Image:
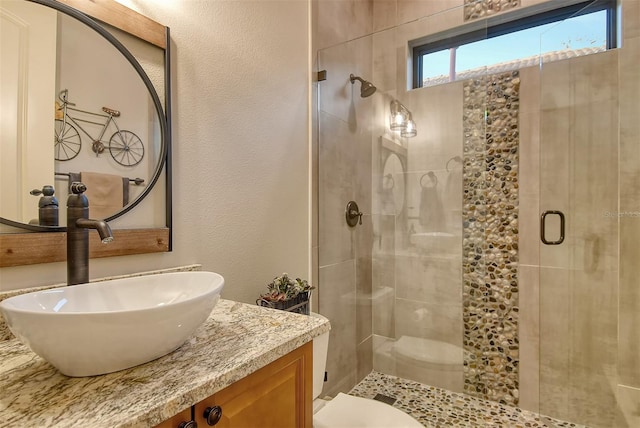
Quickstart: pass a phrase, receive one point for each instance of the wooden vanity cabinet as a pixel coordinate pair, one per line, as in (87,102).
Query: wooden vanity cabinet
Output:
(278,395)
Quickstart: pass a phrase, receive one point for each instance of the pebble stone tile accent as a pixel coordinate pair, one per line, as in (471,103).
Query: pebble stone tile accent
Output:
(438,408)
(490,237)
(474,9)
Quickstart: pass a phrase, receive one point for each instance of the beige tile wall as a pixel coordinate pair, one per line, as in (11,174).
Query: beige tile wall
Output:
(339,21)
(529,333)
(529,232)
(384,14)
(529,239)
(364,286)
(383,276)
(344,174)
(409,10)
(555,328)
(428,277)
(629,345)
(628,407)
(337,303)
(579,279)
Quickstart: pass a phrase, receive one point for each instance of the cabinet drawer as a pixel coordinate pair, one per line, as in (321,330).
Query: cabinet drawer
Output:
(278,395)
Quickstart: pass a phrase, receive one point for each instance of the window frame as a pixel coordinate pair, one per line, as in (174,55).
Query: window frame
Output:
(498,26)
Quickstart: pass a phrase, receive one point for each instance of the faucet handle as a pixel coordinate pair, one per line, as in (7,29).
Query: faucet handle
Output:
(46,191)
(77,188)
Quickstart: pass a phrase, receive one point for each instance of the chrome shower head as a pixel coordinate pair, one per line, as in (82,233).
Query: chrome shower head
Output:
(366,88)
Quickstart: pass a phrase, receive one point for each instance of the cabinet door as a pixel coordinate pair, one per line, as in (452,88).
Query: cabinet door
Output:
(277,396)
(175,421)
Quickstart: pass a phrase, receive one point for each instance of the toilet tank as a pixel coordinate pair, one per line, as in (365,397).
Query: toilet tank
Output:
(320,348)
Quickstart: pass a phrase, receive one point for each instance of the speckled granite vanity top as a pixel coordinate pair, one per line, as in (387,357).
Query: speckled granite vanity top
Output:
(235,341)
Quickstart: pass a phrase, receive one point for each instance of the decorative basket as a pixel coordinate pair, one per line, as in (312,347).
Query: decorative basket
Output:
(298,304)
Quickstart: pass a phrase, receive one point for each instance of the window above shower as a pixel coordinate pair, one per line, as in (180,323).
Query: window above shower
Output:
(515,40)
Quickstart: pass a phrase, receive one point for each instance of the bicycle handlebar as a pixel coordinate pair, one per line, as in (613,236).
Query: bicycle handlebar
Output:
(63,97)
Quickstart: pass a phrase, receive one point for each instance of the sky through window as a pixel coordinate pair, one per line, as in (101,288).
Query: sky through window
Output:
(578,32)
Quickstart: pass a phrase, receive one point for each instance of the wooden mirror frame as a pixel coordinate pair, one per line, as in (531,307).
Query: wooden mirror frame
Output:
(17,249)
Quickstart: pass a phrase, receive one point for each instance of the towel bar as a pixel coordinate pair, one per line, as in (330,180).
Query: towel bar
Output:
(137,181)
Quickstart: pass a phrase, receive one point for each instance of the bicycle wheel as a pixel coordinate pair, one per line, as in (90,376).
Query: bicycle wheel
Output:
(67,141)
(126,148)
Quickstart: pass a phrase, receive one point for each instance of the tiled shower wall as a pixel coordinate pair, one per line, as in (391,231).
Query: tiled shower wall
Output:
(344,174)
(627,390)
(553,366)
(579,279)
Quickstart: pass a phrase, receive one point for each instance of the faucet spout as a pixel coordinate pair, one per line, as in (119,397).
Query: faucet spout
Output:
(78,223)
(101,226)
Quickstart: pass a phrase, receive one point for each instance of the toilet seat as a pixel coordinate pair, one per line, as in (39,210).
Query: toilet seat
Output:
(347,411)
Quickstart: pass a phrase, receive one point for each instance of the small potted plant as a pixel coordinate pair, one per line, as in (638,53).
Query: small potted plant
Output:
(287,294)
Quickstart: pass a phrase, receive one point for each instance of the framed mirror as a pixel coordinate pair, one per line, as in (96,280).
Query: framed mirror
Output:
(78,106)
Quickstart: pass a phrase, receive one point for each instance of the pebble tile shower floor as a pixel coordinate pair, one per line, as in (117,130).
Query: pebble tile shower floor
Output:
(439,408)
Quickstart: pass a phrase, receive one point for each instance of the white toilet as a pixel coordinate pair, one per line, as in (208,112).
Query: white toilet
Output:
(346,411)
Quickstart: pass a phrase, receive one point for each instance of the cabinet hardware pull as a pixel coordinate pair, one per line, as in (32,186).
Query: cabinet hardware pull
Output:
(188,424)
(213,415)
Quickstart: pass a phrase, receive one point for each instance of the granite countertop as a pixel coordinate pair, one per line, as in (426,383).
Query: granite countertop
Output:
(236,340)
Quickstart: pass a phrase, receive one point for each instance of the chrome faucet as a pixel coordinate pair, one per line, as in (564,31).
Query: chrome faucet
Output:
(78,223)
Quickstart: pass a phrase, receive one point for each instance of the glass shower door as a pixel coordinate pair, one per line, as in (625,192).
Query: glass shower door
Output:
(588,302)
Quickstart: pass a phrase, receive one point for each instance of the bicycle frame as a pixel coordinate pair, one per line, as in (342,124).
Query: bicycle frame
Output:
(75,121)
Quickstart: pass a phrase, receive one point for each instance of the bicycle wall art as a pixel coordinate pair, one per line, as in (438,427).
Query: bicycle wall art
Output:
(125,147)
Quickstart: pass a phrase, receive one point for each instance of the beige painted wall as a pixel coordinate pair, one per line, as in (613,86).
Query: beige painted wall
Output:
(240,155)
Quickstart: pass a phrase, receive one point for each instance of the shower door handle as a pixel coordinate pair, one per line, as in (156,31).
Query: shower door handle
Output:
(543,220)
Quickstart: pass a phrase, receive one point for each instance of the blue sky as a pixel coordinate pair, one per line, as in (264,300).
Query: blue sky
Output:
(573,33)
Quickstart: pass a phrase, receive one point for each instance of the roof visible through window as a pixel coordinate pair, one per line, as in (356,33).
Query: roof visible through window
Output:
(581,29)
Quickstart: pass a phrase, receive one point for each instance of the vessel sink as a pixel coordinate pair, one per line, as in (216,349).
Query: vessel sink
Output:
(102,327)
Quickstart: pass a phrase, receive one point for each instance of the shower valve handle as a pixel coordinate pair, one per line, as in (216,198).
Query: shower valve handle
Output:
(353,215)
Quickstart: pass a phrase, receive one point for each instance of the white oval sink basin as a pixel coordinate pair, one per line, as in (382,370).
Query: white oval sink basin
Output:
(102,327)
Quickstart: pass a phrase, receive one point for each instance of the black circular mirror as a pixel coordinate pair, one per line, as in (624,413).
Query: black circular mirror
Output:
(77,106)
